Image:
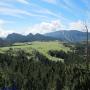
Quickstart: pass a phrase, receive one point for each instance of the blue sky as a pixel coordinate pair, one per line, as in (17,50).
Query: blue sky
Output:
(42,16)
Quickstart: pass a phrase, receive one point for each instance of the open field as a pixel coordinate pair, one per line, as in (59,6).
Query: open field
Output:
(42,47)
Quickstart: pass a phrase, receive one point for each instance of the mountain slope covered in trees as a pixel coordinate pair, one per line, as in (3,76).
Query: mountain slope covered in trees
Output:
(22,70)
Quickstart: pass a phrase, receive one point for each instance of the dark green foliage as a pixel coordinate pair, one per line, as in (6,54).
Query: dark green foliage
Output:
(35,72)
(59,54)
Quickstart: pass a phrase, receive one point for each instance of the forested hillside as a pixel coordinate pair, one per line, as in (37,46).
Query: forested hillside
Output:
(32,70)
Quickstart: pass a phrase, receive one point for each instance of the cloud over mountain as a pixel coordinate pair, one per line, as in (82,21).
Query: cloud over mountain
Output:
(45,27)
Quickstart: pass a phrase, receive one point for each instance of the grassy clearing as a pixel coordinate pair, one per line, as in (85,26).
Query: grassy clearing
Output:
(42,47)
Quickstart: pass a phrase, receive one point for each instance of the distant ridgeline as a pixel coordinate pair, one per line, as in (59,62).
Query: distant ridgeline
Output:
(14,37)
(63,35)
(70,35)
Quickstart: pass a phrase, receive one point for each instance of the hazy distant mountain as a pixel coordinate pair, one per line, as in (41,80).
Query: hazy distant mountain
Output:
(3,42)
(14,37)
(63,35)
(71,35)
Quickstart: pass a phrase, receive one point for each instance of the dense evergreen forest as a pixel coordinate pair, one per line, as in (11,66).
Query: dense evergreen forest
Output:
(20,70)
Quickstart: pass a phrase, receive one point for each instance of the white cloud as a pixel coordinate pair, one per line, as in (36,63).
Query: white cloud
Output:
(45,27)
(4,32)
(78,25)
(45,11)
(1,22)
(23,1)
(15,12)
(50,1)
(5,4)
(72,7)
(35,10)
(19,1)
(20,13)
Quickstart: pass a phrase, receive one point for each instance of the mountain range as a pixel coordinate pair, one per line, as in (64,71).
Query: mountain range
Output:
(14,37)
(62,35)
(69,35)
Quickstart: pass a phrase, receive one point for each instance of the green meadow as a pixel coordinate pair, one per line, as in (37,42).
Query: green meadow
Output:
(42,47)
